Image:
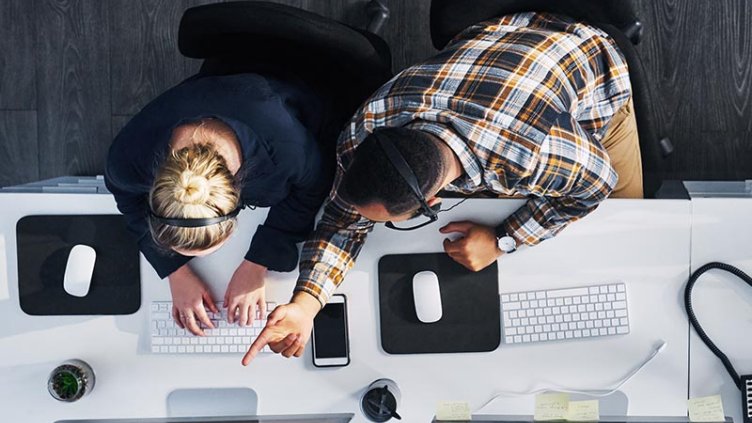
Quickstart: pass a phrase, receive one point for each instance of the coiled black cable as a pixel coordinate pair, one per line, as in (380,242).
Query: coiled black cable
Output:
(693,319)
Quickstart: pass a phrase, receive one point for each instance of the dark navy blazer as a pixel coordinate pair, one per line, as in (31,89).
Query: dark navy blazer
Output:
(286,164)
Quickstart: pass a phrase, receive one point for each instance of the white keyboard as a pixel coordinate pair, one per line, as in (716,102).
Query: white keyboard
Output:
(168,338)
(564,314)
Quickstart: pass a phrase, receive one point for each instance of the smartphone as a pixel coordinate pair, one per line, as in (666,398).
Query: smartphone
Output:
(331,345)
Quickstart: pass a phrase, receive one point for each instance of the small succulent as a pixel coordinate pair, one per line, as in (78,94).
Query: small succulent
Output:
(67,383)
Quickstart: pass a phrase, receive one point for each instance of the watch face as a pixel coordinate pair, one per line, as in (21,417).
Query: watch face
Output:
(507,244)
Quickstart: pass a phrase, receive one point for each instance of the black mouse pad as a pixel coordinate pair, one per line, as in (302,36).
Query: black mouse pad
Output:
(470,320)
(44,243)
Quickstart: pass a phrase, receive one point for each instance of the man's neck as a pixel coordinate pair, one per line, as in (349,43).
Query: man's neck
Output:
(454,168)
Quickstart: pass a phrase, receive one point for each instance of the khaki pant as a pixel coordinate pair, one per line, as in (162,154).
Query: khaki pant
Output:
(623,146)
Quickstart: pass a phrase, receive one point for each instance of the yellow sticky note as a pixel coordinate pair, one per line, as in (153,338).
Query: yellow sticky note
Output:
(453,410)
(583,411)
(706,409)
(551,406)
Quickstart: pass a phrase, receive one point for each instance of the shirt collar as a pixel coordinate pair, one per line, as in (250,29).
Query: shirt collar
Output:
(472,175)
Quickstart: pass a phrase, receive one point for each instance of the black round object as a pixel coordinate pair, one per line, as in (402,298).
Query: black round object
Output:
(379,405)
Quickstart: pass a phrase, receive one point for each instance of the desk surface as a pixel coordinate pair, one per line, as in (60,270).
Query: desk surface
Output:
(644,243)
(721,231)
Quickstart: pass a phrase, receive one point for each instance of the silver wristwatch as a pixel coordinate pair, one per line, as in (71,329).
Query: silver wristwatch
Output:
(507,244)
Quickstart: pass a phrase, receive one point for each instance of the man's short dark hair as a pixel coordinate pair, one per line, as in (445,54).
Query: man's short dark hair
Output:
(372,178)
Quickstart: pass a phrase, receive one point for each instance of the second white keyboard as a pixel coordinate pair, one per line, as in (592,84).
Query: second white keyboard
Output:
(168,338)
(564,314)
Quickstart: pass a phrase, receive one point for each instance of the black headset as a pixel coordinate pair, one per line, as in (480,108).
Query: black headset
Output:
(195,222)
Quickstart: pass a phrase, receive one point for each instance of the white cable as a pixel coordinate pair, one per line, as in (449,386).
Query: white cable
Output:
(596,393)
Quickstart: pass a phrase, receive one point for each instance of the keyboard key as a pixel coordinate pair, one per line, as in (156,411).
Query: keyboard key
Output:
(512,306)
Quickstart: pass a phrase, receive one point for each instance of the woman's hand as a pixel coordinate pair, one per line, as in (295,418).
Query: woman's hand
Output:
(245,294)
(189,296)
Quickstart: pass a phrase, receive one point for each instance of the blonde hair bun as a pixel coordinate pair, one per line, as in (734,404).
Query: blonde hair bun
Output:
(192,188)
(195,182)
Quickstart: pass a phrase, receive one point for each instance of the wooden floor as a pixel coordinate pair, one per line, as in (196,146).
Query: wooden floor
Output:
(72,72)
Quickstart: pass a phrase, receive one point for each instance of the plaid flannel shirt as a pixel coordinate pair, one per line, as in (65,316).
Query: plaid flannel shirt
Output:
(523,101)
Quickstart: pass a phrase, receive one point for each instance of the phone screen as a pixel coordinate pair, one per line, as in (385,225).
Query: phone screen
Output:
(330,332)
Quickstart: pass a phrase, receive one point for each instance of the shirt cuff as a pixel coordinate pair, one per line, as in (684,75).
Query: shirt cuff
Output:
(276,250)
(523,228)
(317,285)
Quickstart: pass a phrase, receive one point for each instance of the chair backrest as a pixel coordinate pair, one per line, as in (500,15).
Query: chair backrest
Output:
(615,17)
(256,36)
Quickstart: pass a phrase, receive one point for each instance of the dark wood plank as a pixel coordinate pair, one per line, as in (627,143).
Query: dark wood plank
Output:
(408,32)
(145,60)
(17,87)
(19,155)
(73,85)
(727,67)
(673,61)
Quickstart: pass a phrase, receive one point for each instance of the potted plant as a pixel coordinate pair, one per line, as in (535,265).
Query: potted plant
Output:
(70,381)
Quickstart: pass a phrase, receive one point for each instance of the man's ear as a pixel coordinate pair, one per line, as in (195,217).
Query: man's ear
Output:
(433,201)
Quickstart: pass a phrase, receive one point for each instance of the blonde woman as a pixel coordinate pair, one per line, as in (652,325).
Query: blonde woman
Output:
(186,164)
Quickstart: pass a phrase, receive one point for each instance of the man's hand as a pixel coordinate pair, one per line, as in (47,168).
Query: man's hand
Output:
(477,248)
(245,293)
(189,295)
(288,328)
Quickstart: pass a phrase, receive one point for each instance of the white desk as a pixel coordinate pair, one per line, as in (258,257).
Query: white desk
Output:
(721,231)
(644,243)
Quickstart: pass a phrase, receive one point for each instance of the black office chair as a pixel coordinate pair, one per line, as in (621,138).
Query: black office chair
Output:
(615,17)
(345,64)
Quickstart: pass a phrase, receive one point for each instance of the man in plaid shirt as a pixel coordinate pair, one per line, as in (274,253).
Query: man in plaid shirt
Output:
(529,104)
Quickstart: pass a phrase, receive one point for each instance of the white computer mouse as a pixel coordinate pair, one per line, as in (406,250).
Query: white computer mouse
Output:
(78,270)
(427,296)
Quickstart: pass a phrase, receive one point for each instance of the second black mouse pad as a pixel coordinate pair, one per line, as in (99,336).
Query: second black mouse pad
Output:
(44,243)
(470,301)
